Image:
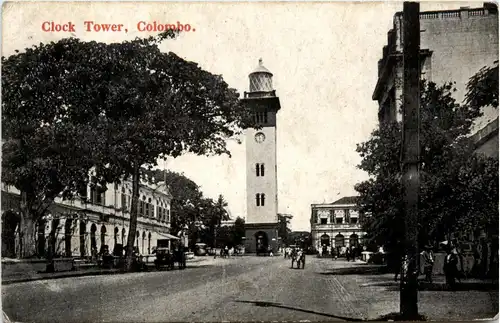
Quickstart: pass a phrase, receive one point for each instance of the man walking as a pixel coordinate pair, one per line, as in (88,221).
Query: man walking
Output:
(450,267)
(428,261)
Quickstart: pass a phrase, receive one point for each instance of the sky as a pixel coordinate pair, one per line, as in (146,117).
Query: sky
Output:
(323,57)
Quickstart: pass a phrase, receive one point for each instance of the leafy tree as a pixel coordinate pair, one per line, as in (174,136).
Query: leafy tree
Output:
(49,140)
(482,88)
(161,105)
(138,102)
(283,226)
(238,231)
(218,214)
(445,157)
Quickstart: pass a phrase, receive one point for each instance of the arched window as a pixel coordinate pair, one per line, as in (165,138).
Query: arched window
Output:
(262,199)
(257,199)
(325,240)
(93,242)
(103,236)
(339,240)
(261,169)
(143,239)
(149,243)
(116,235)
(257,170)
(83,233)
(68,233)
(353,240)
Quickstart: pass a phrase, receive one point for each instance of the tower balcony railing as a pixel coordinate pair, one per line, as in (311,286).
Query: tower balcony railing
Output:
(260,94)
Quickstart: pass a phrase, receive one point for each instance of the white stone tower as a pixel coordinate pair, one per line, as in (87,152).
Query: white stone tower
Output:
(261,166)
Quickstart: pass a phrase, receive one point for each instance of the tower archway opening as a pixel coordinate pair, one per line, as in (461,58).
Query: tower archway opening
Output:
(262,242)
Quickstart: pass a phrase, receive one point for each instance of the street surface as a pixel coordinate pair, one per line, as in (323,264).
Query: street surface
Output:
(237,289)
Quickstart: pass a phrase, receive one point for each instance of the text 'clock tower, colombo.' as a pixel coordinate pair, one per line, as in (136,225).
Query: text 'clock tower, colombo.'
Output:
(261,225)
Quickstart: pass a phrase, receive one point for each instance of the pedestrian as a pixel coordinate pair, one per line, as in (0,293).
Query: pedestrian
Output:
(428,262)
(348,254)
(450,267)
(397,261)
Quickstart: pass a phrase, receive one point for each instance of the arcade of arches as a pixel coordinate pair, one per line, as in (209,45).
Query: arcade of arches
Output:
(75,237)
(338,239)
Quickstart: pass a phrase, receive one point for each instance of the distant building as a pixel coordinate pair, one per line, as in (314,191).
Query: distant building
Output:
(92,220)
(455,45)
(336,224)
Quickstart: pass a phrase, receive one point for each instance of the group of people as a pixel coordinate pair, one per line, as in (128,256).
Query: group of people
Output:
(351,253)
(450,265)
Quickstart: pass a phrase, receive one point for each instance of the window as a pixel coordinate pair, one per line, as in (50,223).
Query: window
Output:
(260,117)
(168,215)
(97,195)
(260,199)
(259,170)
(338,221)
(124,202)
(141,208)
(324,220)
(354,220)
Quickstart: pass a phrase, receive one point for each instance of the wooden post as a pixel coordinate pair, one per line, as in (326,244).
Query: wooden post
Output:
(411,155)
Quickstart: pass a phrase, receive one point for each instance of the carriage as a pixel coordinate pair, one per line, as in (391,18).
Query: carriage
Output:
(167,258)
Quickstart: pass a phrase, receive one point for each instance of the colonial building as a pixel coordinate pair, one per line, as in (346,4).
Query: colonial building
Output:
(336,224)
(261,223)
(99,217)
(455,45)
(486,140)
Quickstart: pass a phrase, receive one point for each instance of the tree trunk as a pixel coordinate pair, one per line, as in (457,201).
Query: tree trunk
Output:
(133,218)
(26,230)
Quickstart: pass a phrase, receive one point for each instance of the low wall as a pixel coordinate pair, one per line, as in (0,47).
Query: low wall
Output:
(23,267)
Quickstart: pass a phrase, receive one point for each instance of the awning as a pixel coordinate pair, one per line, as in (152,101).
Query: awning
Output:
(168,236)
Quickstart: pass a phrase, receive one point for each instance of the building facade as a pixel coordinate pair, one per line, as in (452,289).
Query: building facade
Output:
(455,45)
(486,140)
(83,225)
(336,224)
(261,223)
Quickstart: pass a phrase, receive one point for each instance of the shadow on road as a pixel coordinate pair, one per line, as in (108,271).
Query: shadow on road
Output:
(270,304)
(358,270)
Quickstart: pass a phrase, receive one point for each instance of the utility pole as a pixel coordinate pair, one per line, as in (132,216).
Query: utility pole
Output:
(411,156)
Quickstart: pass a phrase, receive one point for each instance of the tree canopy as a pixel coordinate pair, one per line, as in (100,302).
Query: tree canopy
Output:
(71,106)
(458,189)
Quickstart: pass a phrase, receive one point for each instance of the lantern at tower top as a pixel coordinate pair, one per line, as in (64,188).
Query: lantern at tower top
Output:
(261,79)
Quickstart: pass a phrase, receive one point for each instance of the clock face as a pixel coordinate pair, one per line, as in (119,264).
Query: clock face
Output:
(260,137)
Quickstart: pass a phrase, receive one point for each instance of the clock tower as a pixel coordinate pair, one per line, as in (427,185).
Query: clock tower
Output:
(261,223)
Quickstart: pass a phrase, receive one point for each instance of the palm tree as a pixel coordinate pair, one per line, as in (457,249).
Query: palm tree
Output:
(220,214)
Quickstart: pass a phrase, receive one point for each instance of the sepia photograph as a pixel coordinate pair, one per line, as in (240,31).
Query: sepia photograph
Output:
(250,161)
